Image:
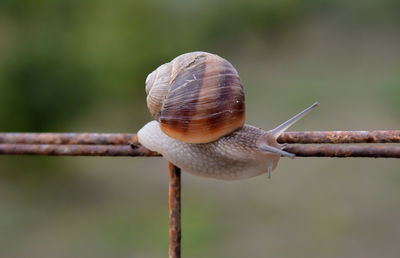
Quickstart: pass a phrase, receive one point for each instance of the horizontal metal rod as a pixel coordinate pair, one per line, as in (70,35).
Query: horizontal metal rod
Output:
(344,151)
(69,138)
(334,137)
(75,150)
(112,150)
(339,137)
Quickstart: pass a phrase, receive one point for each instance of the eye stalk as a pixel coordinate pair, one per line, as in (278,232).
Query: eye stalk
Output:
(284,126)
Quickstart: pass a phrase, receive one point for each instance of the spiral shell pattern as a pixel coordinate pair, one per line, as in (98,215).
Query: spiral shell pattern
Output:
(197,97)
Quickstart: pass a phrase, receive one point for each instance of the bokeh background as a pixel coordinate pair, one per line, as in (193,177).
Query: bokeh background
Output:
(80,66)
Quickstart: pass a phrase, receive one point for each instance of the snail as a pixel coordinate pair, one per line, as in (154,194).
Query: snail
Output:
(198,104)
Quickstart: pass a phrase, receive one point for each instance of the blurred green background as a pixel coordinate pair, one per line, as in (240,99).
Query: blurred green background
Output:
(80,66)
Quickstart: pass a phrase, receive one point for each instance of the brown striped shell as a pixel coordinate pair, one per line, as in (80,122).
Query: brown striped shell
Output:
(196,98)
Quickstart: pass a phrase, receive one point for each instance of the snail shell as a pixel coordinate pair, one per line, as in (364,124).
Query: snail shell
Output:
(197,97)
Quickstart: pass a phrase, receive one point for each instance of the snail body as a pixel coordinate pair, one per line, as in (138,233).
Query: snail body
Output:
(231,157)
(198,102)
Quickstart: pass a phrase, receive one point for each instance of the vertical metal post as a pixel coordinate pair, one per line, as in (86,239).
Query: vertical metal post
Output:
(174,211)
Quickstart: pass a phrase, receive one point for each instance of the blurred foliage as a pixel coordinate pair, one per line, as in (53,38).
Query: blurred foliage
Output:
(59,57)
(68,65)
(391,94)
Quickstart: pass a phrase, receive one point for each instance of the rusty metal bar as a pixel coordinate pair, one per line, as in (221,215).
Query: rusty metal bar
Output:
(174,211)
(368,151)
(339,137)
(69,138)
(334,137)
(344,151)
(75,150)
